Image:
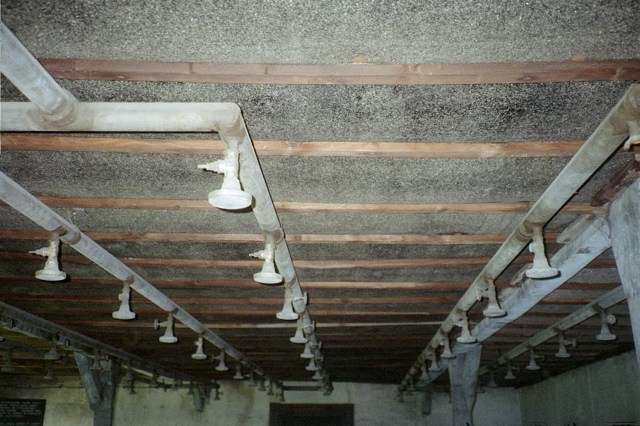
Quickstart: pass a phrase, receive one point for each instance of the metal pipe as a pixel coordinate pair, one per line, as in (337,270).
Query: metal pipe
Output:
(32,325)
(130,117)
(267,217)
(54,104)
(224,118)
(569,260)
(20,199)
(35,352)
(604,141)
(594,308)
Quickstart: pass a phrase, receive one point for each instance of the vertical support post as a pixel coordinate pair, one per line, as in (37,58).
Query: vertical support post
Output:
(624,220)
(101,388)
(427,399)
(199,398)
(463,378)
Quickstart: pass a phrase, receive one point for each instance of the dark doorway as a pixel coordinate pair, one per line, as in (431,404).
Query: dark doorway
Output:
(310,414)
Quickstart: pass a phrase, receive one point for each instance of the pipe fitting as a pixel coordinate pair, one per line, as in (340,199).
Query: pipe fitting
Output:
(64,113)
(634,96)
(300,303)
(629,109)
(68,235)
(634,134)
(55,105)
(524,232)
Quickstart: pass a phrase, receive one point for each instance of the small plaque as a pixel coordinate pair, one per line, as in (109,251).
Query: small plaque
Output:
(22,412)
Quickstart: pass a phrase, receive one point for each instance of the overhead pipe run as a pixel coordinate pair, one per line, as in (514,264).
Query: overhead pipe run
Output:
(20,199)
(594,308)
(55,105)
(604,141)
(223,118)
(23,322)
(569,260)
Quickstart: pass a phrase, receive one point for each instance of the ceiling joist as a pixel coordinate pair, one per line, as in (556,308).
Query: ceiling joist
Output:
(284,148)
(302,264)
(301,207)
(357,73)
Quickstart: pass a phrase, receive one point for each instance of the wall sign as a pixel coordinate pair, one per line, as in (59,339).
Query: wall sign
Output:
(22,412)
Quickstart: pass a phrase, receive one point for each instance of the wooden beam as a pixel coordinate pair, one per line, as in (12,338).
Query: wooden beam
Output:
(418,74)
(235,325)
(463,378)
(235,301)
(264,301)
(302,264)
(458,208)
(296,207)
(305,149)
(101,388)
(291,238)
(617,184)
(624,222)
(356,285)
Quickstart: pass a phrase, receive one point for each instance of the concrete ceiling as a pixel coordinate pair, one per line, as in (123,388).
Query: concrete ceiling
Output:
(368,336)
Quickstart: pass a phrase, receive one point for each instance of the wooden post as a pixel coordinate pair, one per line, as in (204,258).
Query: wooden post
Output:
(624,219)
(427,399)
(101,388)
(463,377)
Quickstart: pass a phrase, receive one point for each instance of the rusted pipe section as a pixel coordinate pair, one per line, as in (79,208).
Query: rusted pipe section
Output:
(604,141)
(20,199)
(55,105)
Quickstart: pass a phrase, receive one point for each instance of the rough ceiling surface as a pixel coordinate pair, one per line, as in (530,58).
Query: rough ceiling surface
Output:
(384,240)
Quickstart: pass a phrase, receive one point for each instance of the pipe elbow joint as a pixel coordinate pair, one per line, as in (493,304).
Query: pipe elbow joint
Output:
(231,126)
(64,113)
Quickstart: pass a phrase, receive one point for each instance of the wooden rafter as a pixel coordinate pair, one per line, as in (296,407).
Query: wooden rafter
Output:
(288,148)
(291,238)
(491,73)
(299,207)
(302,264)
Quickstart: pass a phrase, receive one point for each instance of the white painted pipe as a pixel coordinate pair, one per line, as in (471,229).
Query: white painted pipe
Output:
(46,330)
(224,118)
(604,141)
(20,199)
(131,117)
(54,103)
(569,260)
(609,299)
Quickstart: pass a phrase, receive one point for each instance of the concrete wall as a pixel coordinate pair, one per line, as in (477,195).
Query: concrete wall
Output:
(242,405)
(601,393)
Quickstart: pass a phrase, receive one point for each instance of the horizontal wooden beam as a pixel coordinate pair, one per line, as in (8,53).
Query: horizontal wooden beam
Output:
(458,208)
(296,207)
(291,238)
(277,302)
(284,148)
(264,301)
(418,74)
(618,183)
(302,264)
(356,285)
